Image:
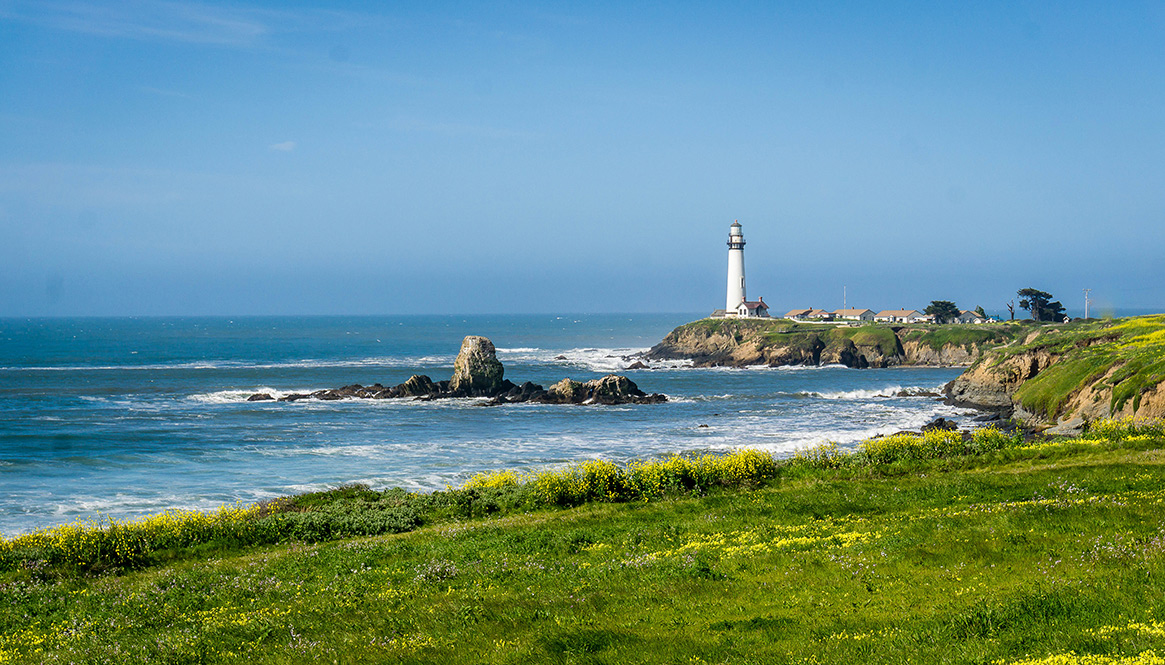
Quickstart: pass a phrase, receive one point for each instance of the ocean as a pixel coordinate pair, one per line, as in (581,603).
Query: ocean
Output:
(123,417)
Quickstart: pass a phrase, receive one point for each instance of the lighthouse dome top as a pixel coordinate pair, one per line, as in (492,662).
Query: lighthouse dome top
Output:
(735,224)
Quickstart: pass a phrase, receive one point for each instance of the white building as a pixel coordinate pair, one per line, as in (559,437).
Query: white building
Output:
(897,315)
(853,314)
(736,303)
(798,314)
(967,316)
(748,310)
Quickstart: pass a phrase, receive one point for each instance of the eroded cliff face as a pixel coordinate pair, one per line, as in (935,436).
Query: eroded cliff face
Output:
(991,386)
(1068,397)
(743,343)
(949,355)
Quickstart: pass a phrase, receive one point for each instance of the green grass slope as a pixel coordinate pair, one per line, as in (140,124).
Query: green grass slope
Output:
(1126,357)
(914,549)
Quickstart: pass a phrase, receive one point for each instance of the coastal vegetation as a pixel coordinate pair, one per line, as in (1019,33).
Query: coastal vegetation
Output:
(740,342)
(935,547)
(943,311)
(1040,305)
(1086,370)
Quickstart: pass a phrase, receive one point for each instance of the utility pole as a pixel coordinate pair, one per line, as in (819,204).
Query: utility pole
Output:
(1087,300)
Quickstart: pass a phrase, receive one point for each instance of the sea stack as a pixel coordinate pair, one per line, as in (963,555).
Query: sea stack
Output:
(477,372)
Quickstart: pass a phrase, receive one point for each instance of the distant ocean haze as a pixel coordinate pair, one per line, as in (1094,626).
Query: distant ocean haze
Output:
(127,417)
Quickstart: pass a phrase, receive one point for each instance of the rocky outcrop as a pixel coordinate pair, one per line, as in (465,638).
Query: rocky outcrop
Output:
(948,355)
(611,389)
(478,373)
(1062,378)
(991,384)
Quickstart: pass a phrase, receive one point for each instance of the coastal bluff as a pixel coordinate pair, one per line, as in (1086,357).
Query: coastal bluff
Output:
(1048,376)
(477,372)
(777,342)
(1062,376)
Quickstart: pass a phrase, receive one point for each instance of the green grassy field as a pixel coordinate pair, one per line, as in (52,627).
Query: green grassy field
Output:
(913,549)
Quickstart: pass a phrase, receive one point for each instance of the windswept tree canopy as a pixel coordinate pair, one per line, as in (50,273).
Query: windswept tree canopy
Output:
(1040,304)
(943,311)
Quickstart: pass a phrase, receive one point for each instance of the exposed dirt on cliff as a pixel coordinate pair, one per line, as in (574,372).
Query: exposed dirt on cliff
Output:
(990,385)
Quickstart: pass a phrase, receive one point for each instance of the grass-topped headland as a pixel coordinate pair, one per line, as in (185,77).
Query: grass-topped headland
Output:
(742,342)
(1041,372)
(926,548)
(1086,370)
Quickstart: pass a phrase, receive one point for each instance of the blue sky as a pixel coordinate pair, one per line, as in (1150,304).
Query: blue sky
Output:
(266,158)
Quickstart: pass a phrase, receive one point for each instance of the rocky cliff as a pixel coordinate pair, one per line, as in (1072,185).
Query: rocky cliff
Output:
(742,342)
(1065,375)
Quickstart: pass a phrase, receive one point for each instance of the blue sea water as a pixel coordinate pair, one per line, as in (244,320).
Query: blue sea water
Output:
(126,417)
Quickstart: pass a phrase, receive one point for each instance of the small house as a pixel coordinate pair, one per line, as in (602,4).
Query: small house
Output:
(897,315)
(752,310)
(853,314)
(798,314)
(967,316)
(819,315)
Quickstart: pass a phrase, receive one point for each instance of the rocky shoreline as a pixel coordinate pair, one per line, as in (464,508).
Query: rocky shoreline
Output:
(478,373)
(774,343)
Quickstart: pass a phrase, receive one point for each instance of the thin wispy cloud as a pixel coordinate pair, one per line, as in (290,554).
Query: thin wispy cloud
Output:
(167,21)
(184,22)
(286,146)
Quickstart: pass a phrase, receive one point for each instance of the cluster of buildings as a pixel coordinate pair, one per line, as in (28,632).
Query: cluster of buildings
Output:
(737,305)
(884,316)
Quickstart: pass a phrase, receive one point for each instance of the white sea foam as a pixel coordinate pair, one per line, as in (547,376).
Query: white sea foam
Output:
(872,393)
(593,359)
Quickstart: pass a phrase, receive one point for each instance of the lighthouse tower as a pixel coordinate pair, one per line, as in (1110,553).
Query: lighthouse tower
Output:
(735,268)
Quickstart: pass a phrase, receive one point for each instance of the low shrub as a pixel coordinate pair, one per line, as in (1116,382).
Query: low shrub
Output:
(1119,429)
(928,445)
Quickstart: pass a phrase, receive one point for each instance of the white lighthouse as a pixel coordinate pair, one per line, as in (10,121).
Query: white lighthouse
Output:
(735,268)
(735,303)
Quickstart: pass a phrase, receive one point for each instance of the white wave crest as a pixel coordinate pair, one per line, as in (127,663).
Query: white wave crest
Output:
(235,396)
(873,393)
(593,359)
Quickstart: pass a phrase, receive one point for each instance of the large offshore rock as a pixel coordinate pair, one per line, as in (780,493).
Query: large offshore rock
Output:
(477,372)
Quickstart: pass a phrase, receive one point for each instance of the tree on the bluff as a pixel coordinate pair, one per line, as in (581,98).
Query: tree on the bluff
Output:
(1040,304)
(943,311)
(980,312)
